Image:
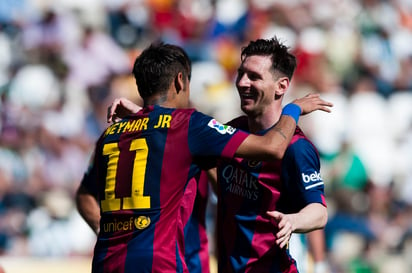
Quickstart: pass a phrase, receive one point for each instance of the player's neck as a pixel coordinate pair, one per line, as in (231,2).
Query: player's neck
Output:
(159,99)
(168,100)
(264,120)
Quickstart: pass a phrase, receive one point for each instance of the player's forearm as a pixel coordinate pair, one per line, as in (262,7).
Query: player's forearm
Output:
(312,217)
(272,145)
(88,209)
(280,136)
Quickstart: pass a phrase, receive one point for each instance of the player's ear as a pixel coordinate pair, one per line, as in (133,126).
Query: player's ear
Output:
(179,82)
(282,85)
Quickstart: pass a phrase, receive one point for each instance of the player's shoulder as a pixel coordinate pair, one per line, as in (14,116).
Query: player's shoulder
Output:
(299,135)
(300,142)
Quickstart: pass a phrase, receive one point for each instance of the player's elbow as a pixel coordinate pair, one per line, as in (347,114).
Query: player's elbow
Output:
(323,218)
(82,198)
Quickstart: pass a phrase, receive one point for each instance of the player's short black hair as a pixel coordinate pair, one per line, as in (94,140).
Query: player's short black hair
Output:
(282,60)
(157,66)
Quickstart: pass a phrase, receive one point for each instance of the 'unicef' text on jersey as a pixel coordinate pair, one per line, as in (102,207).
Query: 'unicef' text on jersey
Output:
(314,177)
(222,129)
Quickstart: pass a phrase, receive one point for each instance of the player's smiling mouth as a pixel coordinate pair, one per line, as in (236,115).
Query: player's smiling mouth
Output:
(247,96)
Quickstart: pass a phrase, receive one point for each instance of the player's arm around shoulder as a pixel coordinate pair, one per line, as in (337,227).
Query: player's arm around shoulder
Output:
(273,144)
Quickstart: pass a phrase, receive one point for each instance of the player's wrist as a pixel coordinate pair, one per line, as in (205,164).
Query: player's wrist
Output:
(293,110)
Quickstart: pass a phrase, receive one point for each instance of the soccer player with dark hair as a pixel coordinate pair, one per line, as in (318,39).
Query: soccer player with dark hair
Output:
(143,164)
(261,203)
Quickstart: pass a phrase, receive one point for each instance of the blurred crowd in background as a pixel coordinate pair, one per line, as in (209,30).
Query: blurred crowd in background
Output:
(63,62)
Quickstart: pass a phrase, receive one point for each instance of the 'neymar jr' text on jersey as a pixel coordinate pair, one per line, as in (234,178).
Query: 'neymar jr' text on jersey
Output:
(137,125)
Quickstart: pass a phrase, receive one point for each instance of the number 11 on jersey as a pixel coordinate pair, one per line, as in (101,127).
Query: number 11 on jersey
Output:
(136,200)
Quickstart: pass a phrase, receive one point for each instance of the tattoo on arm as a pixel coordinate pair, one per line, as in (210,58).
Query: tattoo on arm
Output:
(280,132)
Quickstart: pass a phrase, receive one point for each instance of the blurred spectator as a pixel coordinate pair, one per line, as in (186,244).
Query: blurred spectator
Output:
(95,59)
(128,21)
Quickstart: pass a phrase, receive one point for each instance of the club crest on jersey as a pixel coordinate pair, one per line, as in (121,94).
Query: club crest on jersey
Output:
(222,129)
(142,222)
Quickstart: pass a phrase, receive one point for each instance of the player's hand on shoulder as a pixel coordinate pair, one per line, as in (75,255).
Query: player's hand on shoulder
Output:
(120,108)
(312,102)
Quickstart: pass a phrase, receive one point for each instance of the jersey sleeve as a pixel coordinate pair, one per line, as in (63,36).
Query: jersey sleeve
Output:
(208,137)
(89,178)
(301,174)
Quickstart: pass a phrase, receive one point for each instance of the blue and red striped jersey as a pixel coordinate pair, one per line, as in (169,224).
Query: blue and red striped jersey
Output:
(248,189)
(139,174)
(196,240)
